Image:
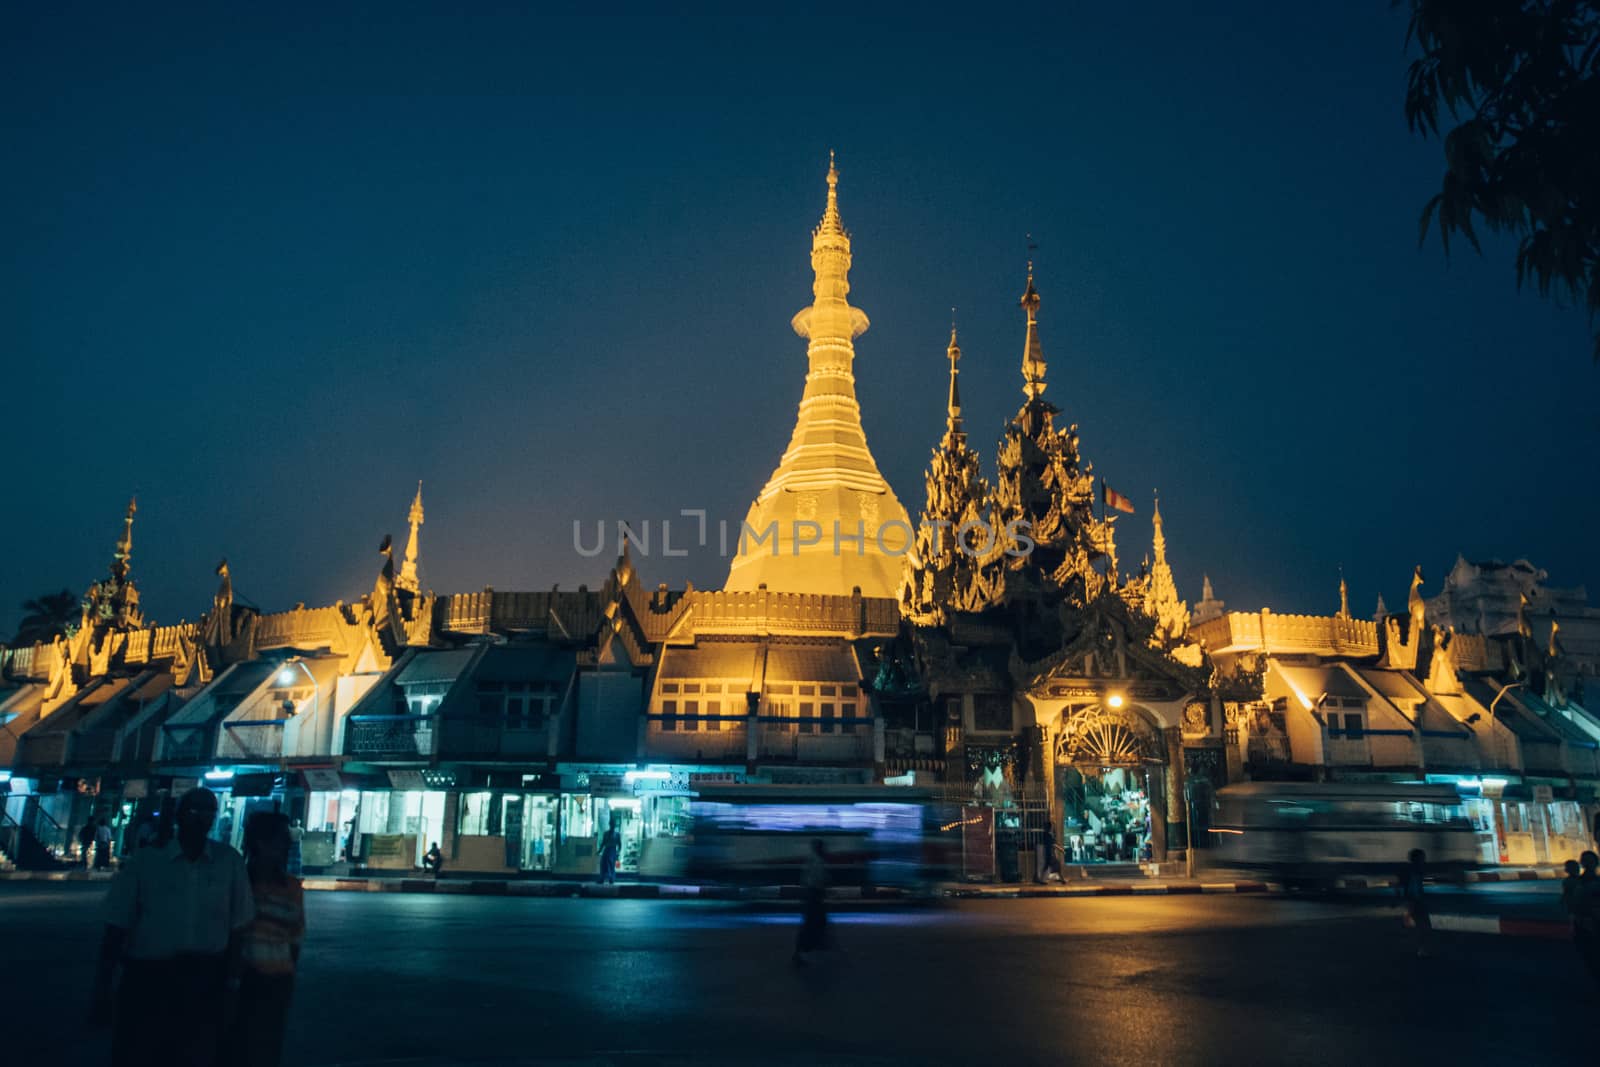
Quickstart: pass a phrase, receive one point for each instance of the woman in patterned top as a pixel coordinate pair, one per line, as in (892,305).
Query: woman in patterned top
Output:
(271,943)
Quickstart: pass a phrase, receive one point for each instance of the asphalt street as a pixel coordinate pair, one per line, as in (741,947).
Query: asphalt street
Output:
(443,980)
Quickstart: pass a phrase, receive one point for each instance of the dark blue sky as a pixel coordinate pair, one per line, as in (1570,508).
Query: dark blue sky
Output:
(268,268)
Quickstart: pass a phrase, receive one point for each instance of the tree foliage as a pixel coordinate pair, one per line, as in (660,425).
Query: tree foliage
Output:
(1520,80)
(47,617)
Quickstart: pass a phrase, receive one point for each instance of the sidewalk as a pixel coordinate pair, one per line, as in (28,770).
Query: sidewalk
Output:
(631,890)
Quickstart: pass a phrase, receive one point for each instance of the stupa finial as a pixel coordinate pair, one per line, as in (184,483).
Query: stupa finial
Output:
(953,430)
(1033,364)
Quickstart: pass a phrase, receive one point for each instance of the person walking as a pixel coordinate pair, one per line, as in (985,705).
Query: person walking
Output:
(1586,913)
(813,933)
(1569,891)
(1416,905)
(297,833)
(86,842)
(610,849)
(269,946)
(173,918)
(102,845)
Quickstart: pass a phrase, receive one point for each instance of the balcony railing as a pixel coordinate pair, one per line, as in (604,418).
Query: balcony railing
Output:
(1343,752)
(826,740)
(252,739)
(94,746)
(399,737)
(45,750)
(728,743)
(187,743)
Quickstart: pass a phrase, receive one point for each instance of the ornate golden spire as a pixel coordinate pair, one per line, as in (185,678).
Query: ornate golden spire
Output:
(124,549)
(827,477)
(1033,365)
(1159,541)
(831,223)
(953,432)
(1344,596)
(408,570)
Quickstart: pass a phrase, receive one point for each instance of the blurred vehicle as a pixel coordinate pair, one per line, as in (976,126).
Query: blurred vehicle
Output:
(874,835)
(1312,832)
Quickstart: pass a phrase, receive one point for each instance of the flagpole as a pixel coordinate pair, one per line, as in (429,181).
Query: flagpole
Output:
(1104,531)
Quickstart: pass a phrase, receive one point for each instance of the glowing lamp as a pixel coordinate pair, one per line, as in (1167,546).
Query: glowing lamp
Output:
(286,677)
(1115,700)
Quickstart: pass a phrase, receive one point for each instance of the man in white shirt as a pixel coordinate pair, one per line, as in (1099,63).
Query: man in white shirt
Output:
(173,916)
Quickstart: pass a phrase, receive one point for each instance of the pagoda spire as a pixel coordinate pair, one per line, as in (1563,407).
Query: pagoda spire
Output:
(1158,541)
(1033,364)
(408,579)
(953,433)
(124,549)
(1161,603)
(827,478)
(1344,596)
(114,602)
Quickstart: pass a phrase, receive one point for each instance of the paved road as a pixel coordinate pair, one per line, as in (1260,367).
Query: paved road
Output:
(391,979)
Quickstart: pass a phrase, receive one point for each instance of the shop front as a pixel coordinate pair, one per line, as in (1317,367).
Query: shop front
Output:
(1529,822)
(372,828)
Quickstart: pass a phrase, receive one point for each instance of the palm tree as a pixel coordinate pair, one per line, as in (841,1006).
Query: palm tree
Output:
(47,617)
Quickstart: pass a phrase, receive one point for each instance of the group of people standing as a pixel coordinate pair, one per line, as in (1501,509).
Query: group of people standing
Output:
(201,945)
(95,839)
(1580,895)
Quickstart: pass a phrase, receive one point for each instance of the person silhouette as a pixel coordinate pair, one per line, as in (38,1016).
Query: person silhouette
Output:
(174,917)
(813,933)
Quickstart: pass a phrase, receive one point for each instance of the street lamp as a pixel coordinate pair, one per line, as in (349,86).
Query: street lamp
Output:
(286,678)
(1504,689)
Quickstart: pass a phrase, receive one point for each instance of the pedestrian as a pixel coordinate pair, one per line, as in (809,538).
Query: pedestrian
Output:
(269,946)
(813,933)
(102,845)
(1586,913)
(297,833)
(173,918)
(1569,891)
(610,849)
(433,859)
(1411,891)
(85,842)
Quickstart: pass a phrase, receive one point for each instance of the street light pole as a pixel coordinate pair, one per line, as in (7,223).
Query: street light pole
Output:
(316,706)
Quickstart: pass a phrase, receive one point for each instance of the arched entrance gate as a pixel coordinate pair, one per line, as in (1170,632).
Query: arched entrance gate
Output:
(1111,767)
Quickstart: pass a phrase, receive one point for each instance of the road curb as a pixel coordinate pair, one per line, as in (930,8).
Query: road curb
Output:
(1128,890)
(1549,929)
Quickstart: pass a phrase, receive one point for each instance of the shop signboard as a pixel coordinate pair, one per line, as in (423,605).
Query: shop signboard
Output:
(409,781)
(1543,794)
(977,842)
(322,779)
(606,783)
(544,782)
(390,851)
(716,778)
(254,785)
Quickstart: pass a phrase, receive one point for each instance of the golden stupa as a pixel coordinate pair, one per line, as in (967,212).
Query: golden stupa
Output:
(826,522)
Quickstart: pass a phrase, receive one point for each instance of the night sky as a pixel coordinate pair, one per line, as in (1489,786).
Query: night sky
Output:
(267,269)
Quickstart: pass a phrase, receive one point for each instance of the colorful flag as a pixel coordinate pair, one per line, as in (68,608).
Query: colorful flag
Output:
(1113,499)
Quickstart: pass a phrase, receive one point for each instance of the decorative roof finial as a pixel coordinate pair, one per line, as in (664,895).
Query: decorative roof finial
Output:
(1033,365)
(953,431)
(1344,595)
(1159,541)
(409,579)
(831,222)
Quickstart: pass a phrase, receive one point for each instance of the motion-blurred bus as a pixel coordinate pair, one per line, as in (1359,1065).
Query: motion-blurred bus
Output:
(874,835)
(1301,831)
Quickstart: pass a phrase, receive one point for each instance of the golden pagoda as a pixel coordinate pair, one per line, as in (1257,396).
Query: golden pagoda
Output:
(826,522)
